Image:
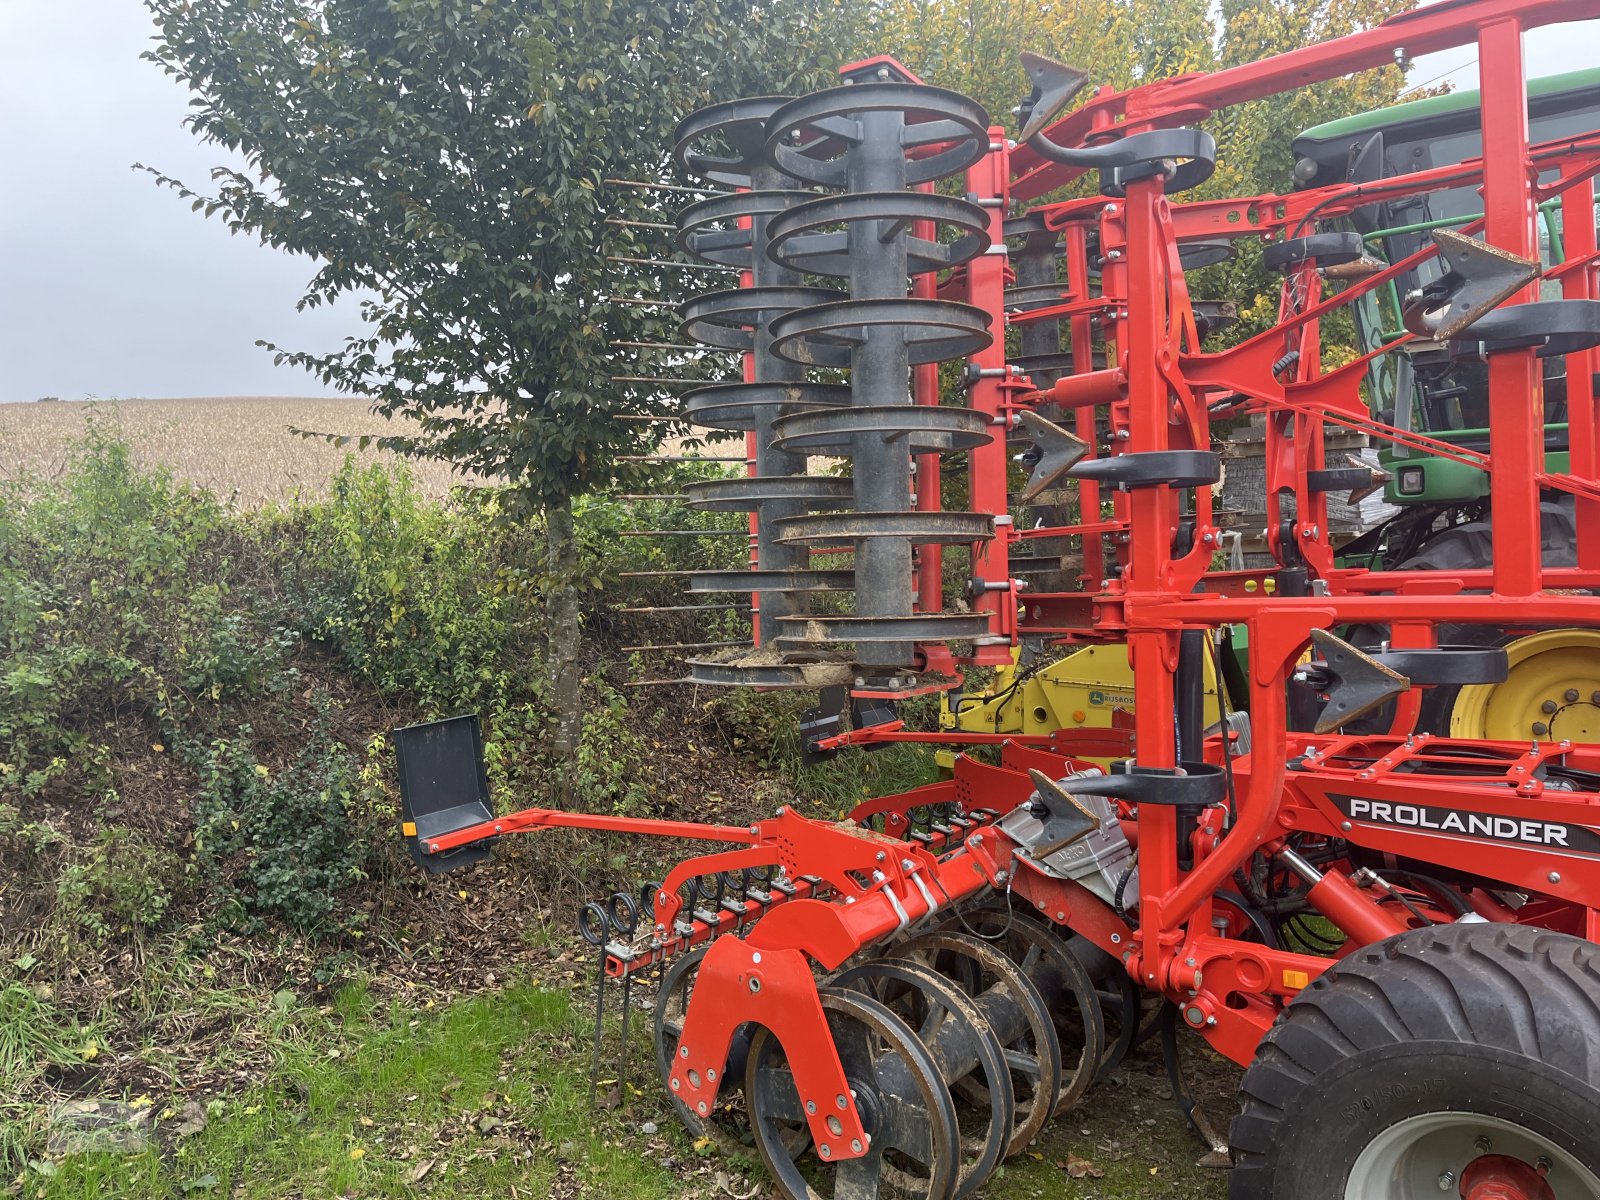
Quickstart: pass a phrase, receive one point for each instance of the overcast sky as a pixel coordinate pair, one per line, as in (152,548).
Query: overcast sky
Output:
(110,286)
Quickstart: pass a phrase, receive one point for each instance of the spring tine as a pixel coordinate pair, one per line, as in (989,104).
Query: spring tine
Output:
(647,900)
(626,224)
(640,301)
(595,925)
(623,910)
(599,1024)
(622,1064)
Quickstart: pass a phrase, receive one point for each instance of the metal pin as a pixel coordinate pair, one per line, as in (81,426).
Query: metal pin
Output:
(684,533)
(681,458)
(667,262)
(683,646)
(657,379)
(686,608)
(673,346)
(657,187)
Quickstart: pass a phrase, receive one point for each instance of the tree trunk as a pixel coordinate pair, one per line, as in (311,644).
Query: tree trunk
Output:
(562,632)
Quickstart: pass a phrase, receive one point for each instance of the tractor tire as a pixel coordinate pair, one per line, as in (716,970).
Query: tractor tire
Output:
(1389,1075)
(1461,548)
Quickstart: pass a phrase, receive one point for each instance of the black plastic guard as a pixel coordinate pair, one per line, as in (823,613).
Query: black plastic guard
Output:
(443,787)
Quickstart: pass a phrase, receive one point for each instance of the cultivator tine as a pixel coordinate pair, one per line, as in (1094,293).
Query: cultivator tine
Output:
(1058,452)
(1054,86)
(1065,819)
(1477,278)
(1355,683)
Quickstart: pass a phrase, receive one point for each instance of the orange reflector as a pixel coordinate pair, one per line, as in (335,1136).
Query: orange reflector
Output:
(409,829)
(1295,979)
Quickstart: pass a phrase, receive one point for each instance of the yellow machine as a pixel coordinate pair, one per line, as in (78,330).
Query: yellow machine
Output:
(1083,690)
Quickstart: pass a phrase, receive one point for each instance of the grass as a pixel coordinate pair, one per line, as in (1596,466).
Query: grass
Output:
(489,1096)
(486,1097)
(32,1038)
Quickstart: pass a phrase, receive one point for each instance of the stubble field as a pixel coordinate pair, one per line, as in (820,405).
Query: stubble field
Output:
(241,448)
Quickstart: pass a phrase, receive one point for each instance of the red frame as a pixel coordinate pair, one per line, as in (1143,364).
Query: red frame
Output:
(1158,392)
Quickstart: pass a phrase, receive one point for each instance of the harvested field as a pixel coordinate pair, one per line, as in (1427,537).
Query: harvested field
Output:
(238,447)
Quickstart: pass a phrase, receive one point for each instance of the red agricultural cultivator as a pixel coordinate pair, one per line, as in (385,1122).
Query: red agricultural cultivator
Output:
(1387,916)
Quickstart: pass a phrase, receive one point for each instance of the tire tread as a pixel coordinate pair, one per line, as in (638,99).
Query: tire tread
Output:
(1530,992)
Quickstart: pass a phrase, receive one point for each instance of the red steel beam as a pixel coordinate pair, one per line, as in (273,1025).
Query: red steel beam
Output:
(1191,98)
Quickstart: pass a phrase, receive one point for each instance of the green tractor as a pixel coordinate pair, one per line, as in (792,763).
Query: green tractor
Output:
(1553,690)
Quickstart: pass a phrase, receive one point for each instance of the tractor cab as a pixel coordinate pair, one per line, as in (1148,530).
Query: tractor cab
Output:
(1423,389)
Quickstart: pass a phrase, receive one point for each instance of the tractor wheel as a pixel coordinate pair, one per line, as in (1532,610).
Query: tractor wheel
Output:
(1554,675)
(1426,1063)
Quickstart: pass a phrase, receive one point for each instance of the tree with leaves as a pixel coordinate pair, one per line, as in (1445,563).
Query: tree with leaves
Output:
(453,163)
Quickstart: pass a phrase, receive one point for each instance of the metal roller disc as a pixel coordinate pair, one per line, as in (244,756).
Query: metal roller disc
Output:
(726,1125)
(1209,1125)
(738,406)
(919,528)
(728,319)
(906,1108)
(918,627)
(801,237)
(1016,1014)
(770,581)
(924,428)
(950,1025)
(1031,566)
(1036,236)
(769,669)
(1213,316)
(1062,362)
(1207,252)
(809,137)
(825,334)
(1034,295)
(748,493)
(1121,1000)
(1069,994)
(740,124)
(709,228)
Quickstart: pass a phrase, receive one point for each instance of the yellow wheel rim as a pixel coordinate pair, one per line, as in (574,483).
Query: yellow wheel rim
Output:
(1551,692)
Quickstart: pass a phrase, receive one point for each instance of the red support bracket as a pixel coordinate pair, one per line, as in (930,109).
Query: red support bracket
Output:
(739,984)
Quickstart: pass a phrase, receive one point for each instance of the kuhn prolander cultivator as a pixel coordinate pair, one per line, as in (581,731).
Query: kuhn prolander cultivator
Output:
(1392,927)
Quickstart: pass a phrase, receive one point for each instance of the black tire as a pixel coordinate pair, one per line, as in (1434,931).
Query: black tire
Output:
(1493,1022)
(1462,548)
